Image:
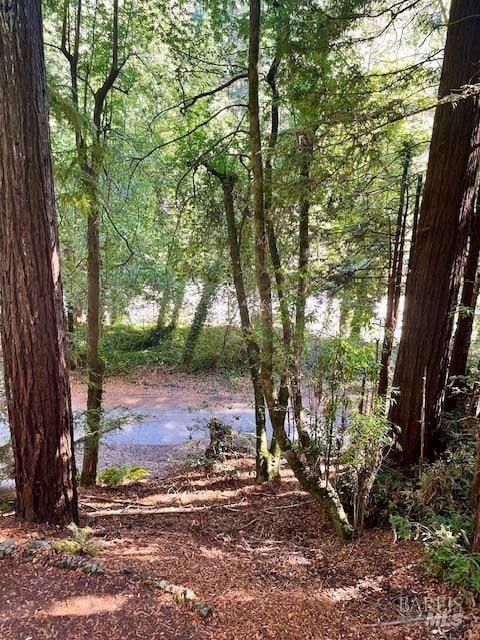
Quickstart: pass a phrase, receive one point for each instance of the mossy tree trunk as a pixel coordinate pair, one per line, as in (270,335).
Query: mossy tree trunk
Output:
(277,400)
(267,457)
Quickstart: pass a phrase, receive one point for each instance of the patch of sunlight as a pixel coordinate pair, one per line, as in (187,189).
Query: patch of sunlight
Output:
(298,560)
(353,592)
(84,606)
(207,552)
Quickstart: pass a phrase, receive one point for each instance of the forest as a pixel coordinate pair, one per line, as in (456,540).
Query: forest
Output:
(239,274)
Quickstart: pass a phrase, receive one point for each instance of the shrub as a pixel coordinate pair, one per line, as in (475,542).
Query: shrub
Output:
(129,474)
(447,556)
(451,562)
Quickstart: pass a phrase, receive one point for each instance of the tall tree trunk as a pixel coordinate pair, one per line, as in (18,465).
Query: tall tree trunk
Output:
(163,308)
(433,282)
(468,302)
(209,290)
(91,161)
(416,214)
(267,459)
(277,403)
(95,365)
(33,325)
(306,151)
(394,279)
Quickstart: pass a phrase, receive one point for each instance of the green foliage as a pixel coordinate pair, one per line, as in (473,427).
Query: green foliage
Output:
(367,433)
(6,459)
(450,561)
(78,543)
(441,494)
(447,558)
(435,510)
(126,348)
(117,475)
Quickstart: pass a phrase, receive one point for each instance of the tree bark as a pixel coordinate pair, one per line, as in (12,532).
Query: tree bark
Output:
(306,151)
(277,404)
(91,161)
(433,282)
(95,365)
(177,304)
(468,302)
(33,326)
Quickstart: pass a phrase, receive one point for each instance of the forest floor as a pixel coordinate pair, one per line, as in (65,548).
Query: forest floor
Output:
(262,557)
(161,386)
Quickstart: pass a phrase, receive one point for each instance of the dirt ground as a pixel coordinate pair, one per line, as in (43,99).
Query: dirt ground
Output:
(262,557)
(163,386)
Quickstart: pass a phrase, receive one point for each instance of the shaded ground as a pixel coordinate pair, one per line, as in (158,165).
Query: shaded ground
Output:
(262,556)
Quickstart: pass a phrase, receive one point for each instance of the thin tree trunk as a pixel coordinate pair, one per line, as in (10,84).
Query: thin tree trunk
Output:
(91,161)
(70,321)
(177,305)
(267,459)
(433,282)
(321,491)
(33,323)
(416,214)
(95,365)
(394,280)
(466,315)
(163,308)
(306,151)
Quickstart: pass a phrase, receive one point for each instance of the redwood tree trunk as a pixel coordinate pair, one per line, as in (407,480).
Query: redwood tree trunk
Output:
(468,302)
(433,282)
(33,327)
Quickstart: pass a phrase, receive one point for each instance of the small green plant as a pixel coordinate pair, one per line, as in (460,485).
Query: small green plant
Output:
(78,544)
(369,436)
(447,557)
(449,561)
(129,474)
(402,527)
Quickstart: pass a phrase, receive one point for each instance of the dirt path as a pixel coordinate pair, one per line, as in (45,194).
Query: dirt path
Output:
(161,387)
(169,412)
(263,558)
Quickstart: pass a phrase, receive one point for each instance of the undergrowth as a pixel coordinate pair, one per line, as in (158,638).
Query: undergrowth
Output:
(128,347)
(435,509)
(78,544)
